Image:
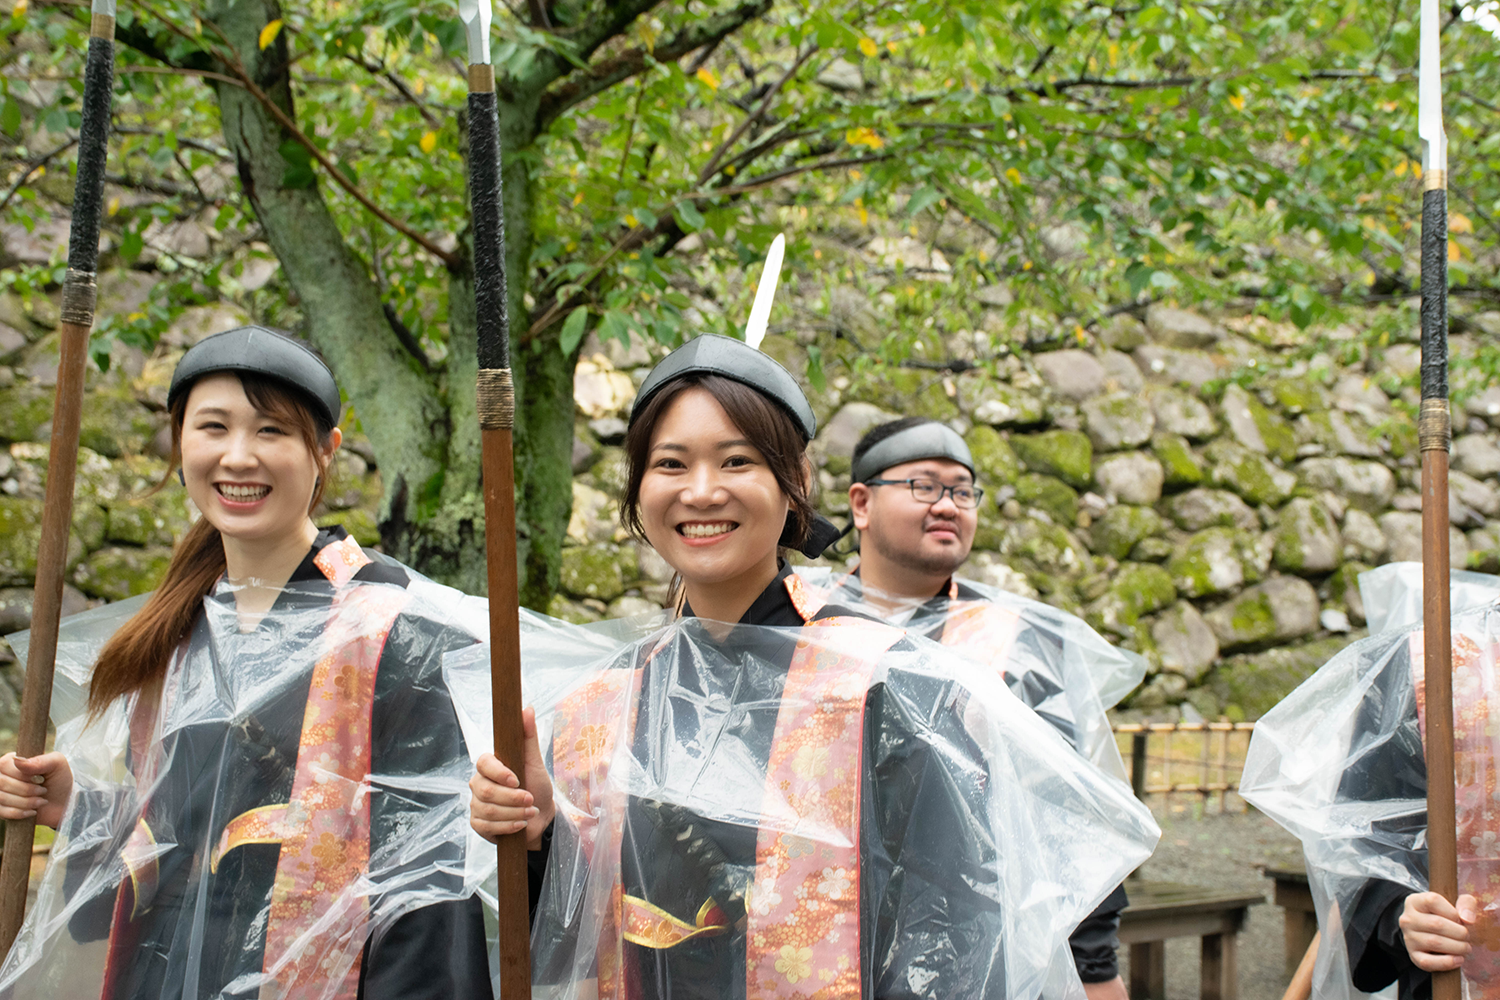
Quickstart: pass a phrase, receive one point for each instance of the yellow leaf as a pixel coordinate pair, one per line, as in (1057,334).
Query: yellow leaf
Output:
(19,10)
(1400,168)
(864,136)
(708,76)
(419,86)
(1459,223)
(114,205)
(1026,266)
(578,198)
(428,142)
(891,47)
(630,220)
(922,30)
(1237,101)
(268,34)
(1455,252)
(868,47)
(1114,53)
(1014,175)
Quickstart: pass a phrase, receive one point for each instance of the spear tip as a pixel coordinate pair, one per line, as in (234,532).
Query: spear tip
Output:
(1430,94)
(476,16)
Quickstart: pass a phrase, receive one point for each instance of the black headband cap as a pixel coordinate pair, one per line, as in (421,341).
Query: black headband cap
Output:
(257,350)
(712,354)
(930,440)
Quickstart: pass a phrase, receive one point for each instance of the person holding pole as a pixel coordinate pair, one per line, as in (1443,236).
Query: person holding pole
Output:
(262,795)
(774,796)
(1384,762)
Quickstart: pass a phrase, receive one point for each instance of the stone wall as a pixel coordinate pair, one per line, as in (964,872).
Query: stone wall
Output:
(1202,489)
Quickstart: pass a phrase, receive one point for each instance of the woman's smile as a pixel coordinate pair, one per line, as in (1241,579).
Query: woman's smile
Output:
(705,532)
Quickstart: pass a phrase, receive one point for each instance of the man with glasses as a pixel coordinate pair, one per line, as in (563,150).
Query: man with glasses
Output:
(915,503)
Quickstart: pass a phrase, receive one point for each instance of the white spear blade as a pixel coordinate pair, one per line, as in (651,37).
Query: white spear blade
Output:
(1430,93)
(103,7)
(760,313)
(476,15)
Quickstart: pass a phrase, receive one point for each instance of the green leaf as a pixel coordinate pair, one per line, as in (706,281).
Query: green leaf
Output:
(573,329)
(689,218)
(10,116)
(923,197)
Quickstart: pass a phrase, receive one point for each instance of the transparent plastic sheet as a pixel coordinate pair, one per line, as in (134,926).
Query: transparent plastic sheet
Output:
(1053,661)
(1392,594)
(1340,763)
(688,847)
(224,840)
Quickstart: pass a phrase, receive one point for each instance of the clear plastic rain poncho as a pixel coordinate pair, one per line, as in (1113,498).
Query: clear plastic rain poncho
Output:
(1392,594)
(1054,662)
(757,811)
(298,790)
(1340,763)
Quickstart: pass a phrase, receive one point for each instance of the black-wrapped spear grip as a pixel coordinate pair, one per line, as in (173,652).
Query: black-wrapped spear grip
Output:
(77,319)
(1434,432)
(497,405)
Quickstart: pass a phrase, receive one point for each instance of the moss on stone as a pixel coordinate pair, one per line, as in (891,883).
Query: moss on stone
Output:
(1275,432)
(1138,589)
(359,522)
(1180,467)
(1251,685)
(1252,619)
(1047,493)
(994,460)
(1252,476)
(1297,395)
(1123,527)
(1068,455)
(598,571)
(21,536)
(1051,557)
(24,408)
(162,518)
(1207,563)
(113,423)
(118,572)
(912,393)
(571,611)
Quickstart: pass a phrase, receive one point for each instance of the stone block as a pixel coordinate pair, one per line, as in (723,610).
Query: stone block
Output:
(1178,412)
(1181,466)
(1117,421)
(1181,327)
(1212,561)
(1071,373)
(1476,455)
(1068,455)
(1403,532)
(1256,427)
(1123,375)
(118,572)
(1248,474)
(597,571)
(1130,477)
(1251,685)
(1363,539)
(1122,528)
(1184,642)
(1368,486)
(1278,609)
(1049,494)
(837,438)
(1136,590)
(995,463)
(1307,540)
(1204,508)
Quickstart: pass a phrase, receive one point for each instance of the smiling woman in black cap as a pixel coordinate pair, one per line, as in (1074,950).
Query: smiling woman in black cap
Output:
(773,798)
(248,806)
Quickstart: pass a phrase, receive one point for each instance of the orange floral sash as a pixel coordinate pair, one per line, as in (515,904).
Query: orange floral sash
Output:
(1476,724)
(984,631)
(803,917)
(324,830)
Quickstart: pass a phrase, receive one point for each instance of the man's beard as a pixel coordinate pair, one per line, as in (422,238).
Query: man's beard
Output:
(914,559)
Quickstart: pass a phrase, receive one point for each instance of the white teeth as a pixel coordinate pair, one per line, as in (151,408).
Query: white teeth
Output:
(706,530)
(242,493)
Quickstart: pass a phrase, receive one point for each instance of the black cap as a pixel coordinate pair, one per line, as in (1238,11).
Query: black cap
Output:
(260,351)
(712,354)
(927,440)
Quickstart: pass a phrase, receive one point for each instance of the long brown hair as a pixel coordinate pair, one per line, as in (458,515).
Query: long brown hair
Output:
(136,657)
(775,435)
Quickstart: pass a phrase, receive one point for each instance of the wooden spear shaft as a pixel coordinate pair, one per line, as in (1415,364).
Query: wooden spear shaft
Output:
(1434,432)
(62,461)
(496,406)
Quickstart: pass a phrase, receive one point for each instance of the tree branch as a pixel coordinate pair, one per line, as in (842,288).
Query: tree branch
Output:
(581,86)
(232,62)
(32,166)
(713,161)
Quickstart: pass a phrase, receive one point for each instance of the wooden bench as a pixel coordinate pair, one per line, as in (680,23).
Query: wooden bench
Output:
(1296,902)
(1162,910)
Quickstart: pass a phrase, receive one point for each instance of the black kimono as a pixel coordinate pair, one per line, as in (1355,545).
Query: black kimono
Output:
(922,888)
(289,811)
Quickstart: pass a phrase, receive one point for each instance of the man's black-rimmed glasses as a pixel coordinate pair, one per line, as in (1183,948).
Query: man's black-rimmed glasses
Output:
(965,496)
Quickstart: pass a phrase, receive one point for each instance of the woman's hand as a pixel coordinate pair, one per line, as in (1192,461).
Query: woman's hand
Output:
(500,806)
(1436,931)
(35,787)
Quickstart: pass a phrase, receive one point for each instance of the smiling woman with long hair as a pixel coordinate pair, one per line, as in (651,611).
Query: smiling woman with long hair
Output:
(247,808)
(773,798)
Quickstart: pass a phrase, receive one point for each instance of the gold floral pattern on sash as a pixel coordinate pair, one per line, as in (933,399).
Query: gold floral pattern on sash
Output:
(652,927)
(803,918)
(1476,724)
